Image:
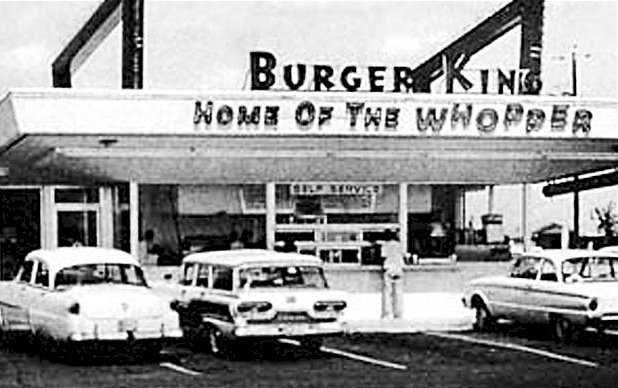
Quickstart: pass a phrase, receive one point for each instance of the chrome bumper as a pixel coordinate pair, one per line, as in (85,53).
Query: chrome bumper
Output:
(283,330)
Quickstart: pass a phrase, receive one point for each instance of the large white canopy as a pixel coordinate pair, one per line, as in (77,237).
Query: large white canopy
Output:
(78,136)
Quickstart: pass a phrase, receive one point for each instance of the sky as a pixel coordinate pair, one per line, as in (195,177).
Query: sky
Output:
(205,45)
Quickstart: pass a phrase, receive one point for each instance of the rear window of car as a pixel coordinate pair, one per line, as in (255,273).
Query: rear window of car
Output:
(100,274)
(595,268)
(282,276)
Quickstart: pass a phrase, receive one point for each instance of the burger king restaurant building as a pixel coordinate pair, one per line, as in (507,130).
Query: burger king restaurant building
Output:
(326,173)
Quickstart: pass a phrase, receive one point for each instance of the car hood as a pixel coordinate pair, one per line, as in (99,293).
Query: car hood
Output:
(114,301)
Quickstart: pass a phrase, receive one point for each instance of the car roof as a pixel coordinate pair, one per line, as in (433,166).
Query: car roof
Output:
(59,258)
(560,255)
(237,257)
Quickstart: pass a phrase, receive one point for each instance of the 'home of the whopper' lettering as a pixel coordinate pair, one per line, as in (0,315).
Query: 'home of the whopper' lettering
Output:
(304,117)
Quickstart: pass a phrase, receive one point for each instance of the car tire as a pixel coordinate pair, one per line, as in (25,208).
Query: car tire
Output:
(483,320)
(562,329)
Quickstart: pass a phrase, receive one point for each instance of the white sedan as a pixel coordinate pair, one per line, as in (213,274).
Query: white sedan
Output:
(569,289)
(74,295)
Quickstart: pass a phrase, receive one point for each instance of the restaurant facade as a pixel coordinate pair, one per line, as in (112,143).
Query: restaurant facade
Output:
(325,173)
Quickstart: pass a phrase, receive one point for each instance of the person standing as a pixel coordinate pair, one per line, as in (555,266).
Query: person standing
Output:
(392,277)
(148,251)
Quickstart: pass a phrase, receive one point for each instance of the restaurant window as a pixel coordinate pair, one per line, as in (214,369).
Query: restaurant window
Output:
(77,195)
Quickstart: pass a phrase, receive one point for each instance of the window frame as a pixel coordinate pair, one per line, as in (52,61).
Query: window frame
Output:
(40,264)
(209,269)
(537,267)
(23,269)
(543,266)
(183,279)
(213,272)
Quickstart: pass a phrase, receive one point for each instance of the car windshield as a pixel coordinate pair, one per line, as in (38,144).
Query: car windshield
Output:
(100,274)
(282,276)
(598,268)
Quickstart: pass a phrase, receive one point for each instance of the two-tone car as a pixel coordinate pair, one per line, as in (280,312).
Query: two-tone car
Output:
(86,295)
(248,294)
(571,290)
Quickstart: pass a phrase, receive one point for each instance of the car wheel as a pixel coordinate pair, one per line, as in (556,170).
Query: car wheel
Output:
(483,320)
(215,340)
(562,329)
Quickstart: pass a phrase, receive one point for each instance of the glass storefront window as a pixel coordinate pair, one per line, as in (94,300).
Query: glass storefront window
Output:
(77,228)
(77,195)
(20,232)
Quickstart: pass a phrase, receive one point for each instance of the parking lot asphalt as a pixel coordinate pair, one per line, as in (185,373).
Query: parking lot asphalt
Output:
(355,360)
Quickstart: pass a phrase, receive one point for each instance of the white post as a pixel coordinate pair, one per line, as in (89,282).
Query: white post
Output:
(524,217)
(403,216)
(490,199)
(134,218)
(564,235)
(106,209)
(271,213)
(460,211)
(48,229)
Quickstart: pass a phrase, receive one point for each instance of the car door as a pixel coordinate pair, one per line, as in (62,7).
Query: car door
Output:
(545,294)
(41,313)
(516,294)
(186,289)
(16,309)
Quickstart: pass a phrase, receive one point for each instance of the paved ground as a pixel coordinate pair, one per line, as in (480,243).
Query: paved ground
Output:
(421,311)
(393,360)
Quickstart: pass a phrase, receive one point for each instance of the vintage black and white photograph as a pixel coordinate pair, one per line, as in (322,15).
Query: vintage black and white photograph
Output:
(237,194)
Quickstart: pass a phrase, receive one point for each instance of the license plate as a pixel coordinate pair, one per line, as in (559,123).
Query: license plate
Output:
(127,325)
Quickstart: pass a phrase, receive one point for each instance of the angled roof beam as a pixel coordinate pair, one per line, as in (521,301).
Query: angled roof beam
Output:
(470,43)
(83,44)
(580,184)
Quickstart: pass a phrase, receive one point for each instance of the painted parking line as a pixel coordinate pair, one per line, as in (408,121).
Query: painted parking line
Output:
(180,369)
(510,346)
(352,356)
